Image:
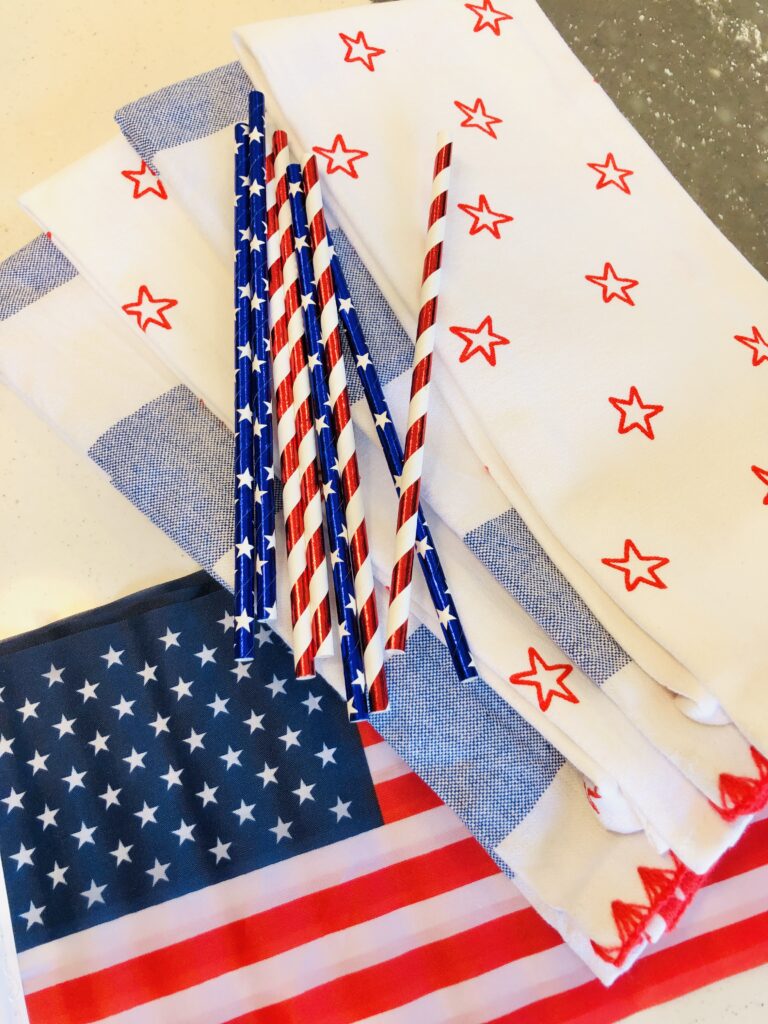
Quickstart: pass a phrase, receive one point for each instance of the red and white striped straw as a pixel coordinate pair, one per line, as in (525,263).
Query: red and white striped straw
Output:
(293,509)
(410,480)
(319,599)
(357,535)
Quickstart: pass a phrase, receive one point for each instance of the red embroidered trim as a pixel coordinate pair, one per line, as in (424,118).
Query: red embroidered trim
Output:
(743,794)
(669,891)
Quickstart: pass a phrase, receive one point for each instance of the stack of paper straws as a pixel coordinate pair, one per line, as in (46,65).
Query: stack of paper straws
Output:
(292,311)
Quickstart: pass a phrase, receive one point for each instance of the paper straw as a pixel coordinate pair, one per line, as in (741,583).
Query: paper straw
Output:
(244,466)
(319,601)
(293,508)
(264,495)
(447,615)
(410,480)
(362,568)
(352,663)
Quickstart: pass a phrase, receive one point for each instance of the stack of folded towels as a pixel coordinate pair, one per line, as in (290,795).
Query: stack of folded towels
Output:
(594,477)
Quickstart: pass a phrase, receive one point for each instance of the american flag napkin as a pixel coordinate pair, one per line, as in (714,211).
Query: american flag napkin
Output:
(188,837)
(602,348)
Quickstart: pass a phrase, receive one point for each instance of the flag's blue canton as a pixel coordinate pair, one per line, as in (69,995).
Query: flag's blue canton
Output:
(136,766)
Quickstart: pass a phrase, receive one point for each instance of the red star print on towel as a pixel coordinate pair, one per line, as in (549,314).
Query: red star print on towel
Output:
(340,158)
(484,218)
(482,339)
(145,182)
(593,793)
(540,675)
(757,343)
(762,476)
(635,414)
(488,17)
(614,287)
(638,568)
(478,117)
(149,310)
(358,50)
(611,174)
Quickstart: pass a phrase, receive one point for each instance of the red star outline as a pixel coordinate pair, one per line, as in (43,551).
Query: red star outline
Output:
(157,316)
(762,476)
(531,678)
(631,549)
(360,40)
(609,291)
(483,210)
(155,186)
(478,111)
(634,399)
(593,793)
(604,170)
(496,16)
(468,334)
(347,165)
(753,342)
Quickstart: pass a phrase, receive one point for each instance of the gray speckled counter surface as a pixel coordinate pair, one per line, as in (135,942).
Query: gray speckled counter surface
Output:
(692,77)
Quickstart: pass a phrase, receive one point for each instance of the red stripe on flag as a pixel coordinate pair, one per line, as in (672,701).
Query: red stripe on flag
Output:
(406,795)
(255,938)
(414,974)
(368,735)
(656,978)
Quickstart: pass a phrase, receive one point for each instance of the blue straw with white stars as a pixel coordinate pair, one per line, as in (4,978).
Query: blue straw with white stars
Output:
(346,609)
(447,615)
(244,479)
(264,494)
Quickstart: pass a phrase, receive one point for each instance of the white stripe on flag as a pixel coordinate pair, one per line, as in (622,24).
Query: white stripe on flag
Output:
(489,995)
(384,763)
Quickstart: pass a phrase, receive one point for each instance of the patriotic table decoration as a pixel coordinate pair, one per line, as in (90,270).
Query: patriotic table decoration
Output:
(338,530)
(451,706)
(410,479)
(244,410)
(599,739)
(266,581)
(568,695)
(518,969)
(349,472)
(454,712)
